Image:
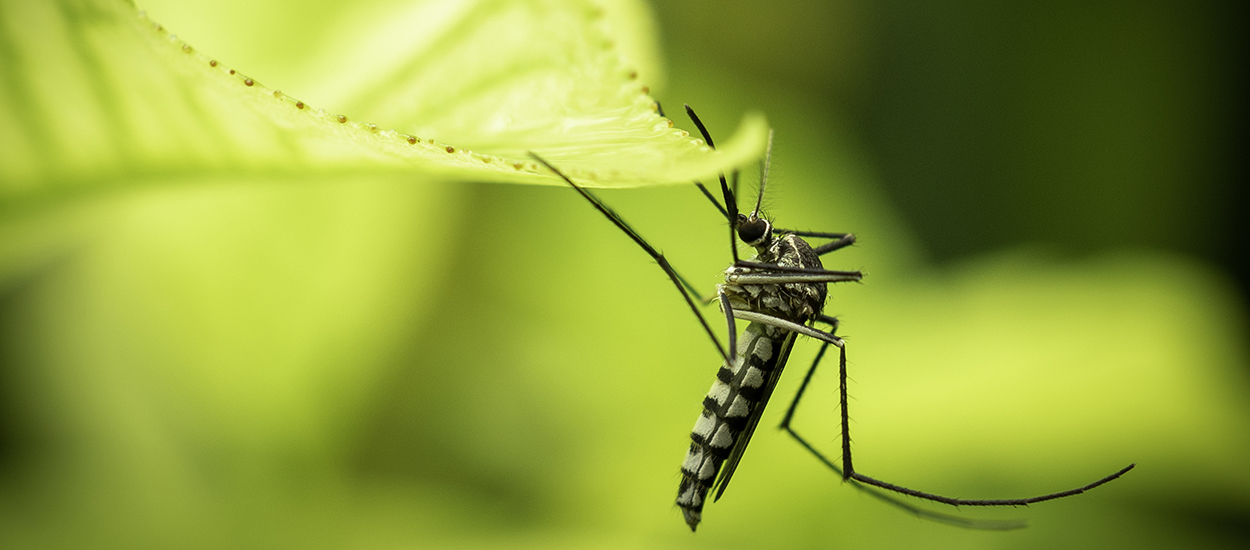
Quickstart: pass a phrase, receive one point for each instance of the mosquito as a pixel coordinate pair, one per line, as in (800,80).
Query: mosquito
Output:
(781,293)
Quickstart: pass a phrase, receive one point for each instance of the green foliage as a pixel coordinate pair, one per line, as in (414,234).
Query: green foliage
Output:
(104,96)
(229,322)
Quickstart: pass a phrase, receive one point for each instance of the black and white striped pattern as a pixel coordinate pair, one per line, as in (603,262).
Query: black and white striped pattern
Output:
(726,410)
(740,392)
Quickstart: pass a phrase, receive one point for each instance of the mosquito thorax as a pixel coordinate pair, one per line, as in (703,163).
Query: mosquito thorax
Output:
(754,231)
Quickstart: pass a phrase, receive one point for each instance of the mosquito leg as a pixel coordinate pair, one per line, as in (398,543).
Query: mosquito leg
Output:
(731,205)
(681,284)
(783,278)
(729,321)
(994,525)
(781,274)
(817,234)
(709,196)
(707,138)
(850,473)
(846,417)
(789,269)
(846,434)
(756,317)
(988,502)
(785,422)
(842,242)
(831,321)
(699,124)
(730,210)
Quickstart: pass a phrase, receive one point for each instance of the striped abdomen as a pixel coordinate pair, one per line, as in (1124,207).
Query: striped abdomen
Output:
(737,397)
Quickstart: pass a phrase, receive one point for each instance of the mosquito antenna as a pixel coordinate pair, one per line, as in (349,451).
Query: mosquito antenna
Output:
(764,165)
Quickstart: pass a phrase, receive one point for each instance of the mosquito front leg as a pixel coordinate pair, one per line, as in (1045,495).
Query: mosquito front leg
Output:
(844,241)
(841,240)
(780,274)
(682,286)
(730,210)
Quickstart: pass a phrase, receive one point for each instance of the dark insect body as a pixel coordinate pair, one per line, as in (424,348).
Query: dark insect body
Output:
(781,291)
(734,405)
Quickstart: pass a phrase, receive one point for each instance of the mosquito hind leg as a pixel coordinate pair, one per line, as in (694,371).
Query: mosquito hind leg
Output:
(967,523)
(850,473)
(847,471)
(794,404)
(807,378)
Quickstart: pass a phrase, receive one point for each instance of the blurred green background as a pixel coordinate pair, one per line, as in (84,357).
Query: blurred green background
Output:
(1046,199)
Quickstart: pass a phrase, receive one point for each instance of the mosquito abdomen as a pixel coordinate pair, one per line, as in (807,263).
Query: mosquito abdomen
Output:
(729,404)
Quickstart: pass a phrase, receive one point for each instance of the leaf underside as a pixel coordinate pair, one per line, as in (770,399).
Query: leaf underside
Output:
(101,96)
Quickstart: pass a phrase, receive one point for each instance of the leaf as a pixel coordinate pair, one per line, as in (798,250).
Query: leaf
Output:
(103,97)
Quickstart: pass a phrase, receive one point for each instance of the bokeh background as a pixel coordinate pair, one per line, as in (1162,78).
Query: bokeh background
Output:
(1047,200)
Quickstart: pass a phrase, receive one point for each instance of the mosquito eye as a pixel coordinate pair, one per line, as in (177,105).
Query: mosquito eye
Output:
(752,231)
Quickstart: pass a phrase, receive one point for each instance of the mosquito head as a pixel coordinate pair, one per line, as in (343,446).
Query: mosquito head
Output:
(754,230)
